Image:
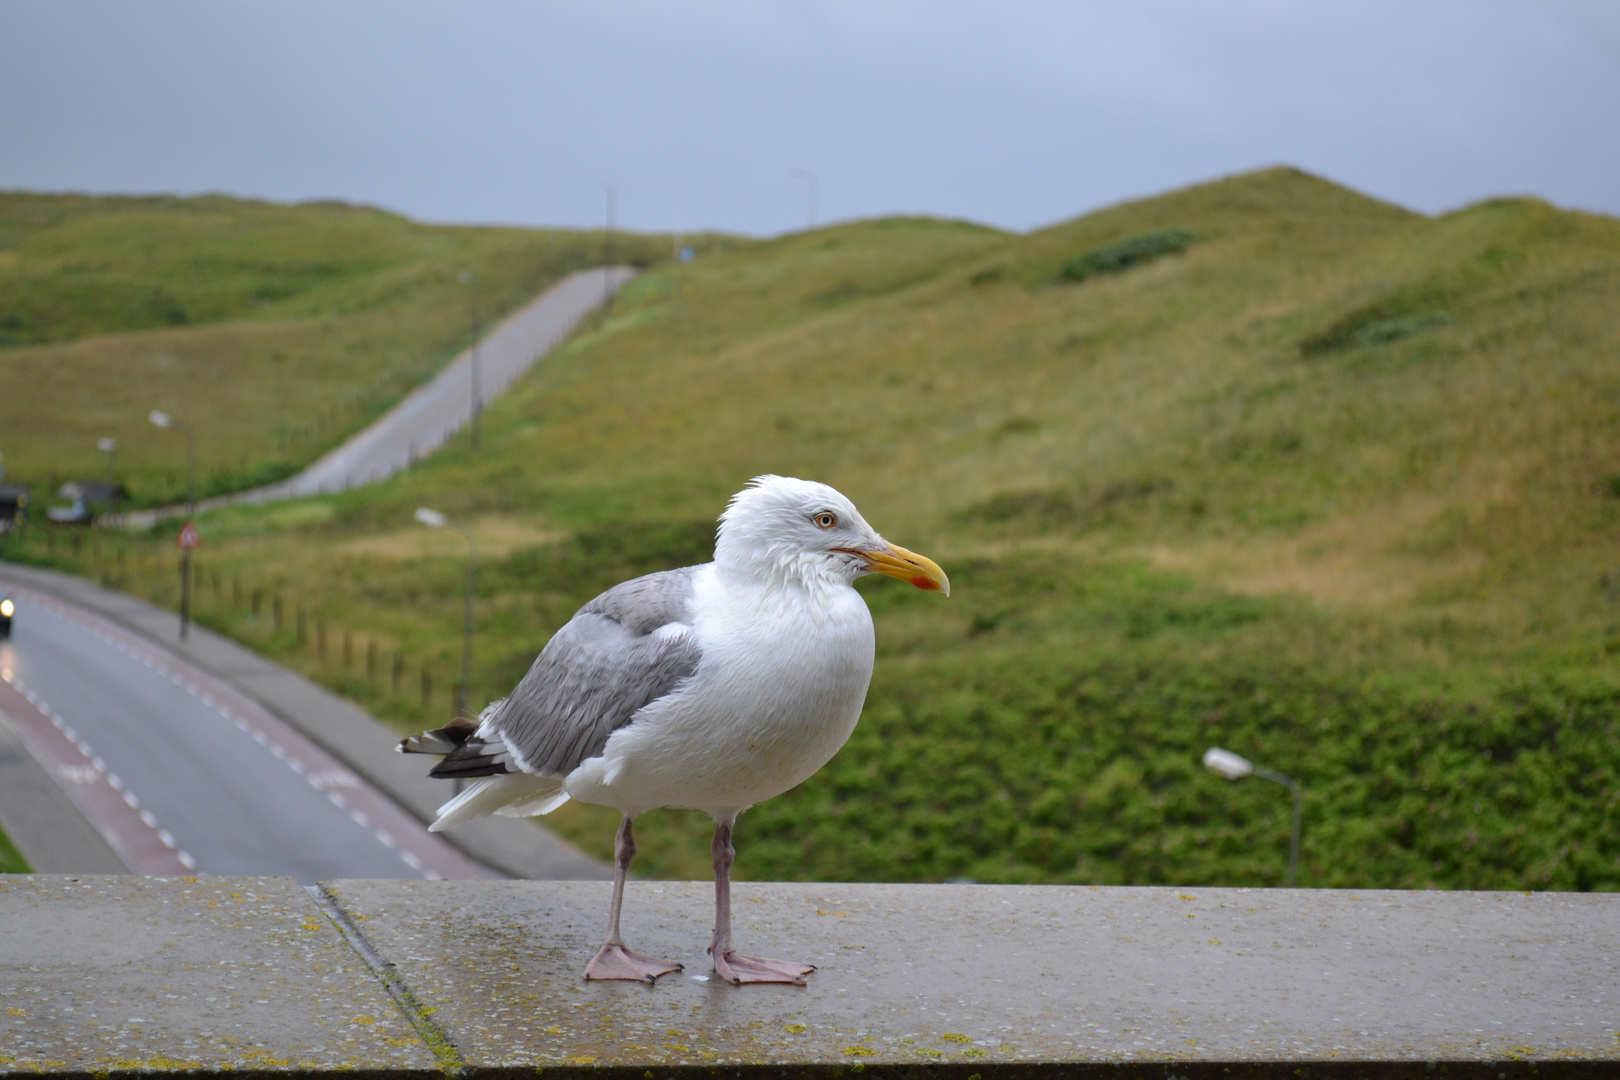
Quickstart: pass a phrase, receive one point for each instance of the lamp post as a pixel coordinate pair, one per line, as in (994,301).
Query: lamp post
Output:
(435,520)
(809,178)
(164,420)
(109,447)
(1229,766)
(466,277)
(607,251)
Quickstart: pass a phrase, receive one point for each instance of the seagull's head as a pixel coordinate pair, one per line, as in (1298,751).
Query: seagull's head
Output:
(779,526)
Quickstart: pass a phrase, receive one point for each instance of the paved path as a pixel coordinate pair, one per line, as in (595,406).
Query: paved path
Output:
(433,412)
(211,741)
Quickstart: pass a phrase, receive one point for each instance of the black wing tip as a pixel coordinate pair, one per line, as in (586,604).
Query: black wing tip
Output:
(445,740)
(473,758)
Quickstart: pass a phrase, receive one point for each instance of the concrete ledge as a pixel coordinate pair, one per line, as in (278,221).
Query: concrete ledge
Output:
(114,975)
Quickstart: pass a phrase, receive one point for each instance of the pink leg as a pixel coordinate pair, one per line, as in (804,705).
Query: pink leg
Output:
(729,964)
(614,960)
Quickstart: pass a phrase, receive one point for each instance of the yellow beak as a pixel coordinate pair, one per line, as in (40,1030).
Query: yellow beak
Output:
(897,562)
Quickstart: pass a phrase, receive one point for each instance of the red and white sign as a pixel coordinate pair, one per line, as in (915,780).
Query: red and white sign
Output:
(188,537)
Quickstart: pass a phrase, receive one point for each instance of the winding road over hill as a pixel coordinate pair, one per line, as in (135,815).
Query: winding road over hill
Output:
(433,412)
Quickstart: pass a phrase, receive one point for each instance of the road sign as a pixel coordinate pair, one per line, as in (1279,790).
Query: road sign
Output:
(188,537)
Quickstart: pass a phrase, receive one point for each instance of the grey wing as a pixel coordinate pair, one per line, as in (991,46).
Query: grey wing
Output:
(597,672)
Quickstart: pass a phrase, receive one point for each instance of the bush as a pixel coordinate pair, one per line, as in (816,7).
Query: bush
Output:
(1124,254)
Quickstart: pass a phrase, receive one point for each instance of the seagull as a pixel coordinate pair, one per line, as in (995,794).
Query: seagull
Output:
(709,688)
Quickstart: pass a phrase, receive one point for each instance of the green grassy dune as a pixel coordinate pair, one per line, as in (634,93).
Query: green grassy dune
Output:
(1261,463)
(273,331)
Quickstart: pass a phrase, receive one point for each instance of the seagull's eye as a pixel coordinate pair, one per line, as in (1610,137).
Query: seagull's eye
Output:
(826,520)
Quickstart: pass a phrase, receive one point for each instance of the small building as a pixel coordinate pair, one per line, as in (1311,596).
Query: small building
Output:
(13,506)
(89,500)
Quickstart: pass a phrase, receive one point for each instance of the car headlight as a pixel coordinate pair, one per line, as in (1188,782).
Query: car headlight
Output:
(6,607)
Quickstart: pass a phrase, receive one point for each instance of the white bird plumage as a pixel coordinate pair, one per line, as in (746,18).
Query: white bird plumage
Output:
(710,688)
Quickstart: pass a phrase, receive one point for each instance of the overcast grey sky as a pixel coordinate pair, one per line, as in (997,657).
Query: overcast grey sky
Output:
(1012,113)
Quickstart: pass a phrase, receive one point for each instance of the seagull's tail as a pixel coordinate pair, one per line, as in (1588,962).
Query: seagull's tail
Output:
(439,740)
(509,794)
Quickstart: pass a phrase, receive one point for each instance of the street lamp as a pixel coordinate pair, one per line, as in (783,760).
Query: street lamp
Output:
(810,178)
(607,251)
(466,277)
(1229,766)
(109,447)
(164,420)
(435,520)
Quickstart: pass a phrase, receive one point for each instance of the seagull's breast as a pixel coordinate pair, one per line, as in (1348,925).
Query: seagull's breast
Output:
(779,687)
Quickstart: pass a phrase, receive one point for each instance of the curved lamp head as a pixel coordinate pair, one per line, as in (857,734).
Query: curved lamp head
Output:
(108,445)
(1225,764)
(160,418)
(431,518)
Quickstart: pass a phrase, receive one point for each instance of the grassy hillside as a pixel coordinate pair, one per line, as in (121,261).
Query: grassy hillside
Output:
(274,330)
(1262,463)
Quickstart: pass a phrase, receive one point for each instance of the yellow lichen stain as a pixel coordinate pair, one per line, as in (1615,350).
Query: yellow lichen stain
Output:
(859,1051)
(311,925)
(1190,915)
(1185,896)
(972,1051)
(15,1012)
(263,1057)
(583,1059)
(364,1018)
(553,1031)
(956,1036)
(1214,941)
(155,1063)
(795,1029)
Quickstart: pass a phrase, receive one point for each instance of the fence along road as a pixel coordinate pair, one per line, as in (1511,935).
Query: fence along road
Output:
(433,412)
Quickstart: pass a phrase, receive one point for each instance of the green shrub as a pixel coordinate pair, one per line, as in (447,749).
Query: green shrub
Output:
(1124,254)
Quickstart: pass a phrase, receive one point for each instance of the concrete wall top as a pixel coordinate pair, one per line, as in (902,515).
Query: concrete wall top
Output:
(116,974)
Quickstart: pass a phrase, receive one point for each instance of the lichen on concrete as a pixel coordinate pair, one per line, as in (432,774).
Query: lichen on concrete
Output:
(130,974)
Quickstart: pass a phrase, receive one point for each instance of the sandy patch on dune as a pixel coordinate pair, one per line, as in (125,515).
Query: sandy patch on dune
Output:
(497,537)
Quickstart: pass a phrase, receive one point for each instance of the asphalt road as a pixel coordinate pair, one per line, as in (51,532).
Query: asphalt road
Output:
(437,410)
(221,785)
